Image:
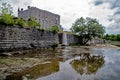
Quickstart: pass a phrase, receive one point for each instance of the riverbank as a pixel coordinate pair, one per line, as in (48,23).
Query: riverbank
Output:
(102,46)
(28,59)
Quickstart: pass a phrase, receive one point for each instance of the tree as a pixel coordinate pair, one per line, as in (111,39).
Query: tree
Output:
(87,29)
(6,9)
(112,37)
(118,37)
(6,14)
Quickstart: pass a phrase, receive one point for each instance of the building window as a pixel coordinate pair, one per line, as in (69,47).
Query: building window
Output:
(39,20)
(55,21)
(56,18)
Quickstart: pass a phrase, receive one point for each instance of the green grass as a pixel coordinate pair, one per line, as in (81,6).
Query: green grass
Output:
(116,43)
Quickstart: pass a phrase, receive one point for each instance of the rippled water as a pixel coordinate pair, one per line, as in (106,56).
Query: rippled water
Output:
(77,64)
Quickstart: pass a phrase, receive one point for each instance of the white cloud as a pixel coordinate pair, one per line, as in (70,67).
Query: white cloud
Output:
(105,11)
(17,3)
(69,10)
(102,13)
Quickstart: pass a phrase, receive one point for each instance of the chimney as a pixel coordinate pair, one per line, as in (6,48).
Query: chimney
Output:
(21,9)
(18,9)
(28,7)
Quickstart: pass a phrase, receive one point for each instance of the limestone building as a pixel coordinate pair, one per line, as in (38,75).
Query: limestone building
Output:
(46,18)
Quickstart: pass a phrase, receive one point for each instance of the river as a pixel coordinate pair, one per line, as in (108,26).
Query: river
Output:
(76,63)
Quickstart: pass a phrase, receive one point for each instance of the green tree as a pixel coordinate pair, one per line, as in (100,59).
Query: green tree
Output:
(54,29)
(87,29)
(118,37)
(106,37)
(6,14)
(112,37)
(6,9)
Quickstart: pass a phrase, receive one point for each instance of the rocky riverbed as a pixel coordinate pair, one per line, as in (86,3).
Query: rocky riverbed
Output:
(10,63)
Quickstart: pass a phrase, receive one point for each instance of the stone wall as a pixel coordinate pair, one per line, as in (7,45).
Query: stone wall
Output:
(24,38)
(71,39)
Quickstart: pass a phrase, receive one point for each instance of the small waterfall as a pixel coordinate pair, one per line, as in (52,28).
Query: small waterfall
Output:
(64,40)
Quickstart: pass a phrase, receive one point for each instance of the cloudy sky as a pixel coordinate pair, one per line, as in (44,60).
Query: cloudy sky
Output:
(106,11)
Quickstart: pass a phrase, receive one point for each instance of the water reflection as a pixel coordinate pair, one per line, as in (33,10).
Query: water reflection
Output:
(37,71)
(87,64)
(75,64)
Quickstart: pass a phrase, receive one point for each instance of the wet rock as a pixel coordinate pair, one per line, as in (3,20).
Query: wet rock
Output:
(2,76)
(16,53)
(5,54)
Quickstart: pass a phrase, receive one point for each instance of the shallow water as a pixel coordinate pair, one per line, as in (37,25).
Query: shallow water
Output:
(76,64)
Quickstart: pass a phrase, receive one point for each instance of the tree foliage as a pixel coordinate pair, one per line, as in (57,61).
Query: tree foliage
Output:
(20,22)
(6,14)
(54,29)
(33,23)
(112,37)
(87,29)
(6,9)
(7,19)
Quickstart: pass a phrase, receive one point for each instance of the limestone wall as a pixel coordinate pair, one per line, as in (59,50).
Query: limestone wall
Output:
(24,38)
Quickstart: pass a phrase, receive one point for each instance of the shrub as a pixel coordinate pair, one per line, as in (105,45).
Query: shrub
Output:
(20,22)
(54,45)
(54,29)
(33,23)
(7,19)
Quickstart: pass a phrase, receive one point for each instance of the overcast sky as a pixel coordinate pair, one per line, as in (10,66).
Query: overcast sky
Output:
(106,11)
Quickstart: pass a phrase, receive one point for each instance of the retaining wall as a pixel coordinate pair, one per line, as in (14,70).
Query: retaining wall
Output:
(24,38)
(71,38)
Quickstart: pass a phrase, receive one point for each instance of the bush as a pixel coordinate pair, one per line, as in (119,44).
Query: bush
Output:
(7,19)
(33,23)
(54,45)
(54,29)
(20,22)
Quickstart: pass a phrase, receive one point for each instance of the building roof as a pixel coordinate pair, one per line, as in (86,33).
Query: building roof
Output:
(29,8)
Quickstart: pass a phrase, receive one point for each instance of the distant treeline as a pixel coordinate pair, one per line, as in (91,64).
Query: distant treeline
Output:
(112,37)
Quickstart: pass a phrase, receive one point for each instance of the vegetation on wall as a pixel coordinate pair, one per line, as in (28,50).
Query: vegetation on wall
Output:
(54,45)
(87,29)
(54,29)
(6,18)
(33,23)
(20,22)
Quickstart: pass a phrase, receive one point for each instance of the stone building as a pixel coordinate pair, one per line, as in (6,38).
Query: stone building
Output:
(46,18)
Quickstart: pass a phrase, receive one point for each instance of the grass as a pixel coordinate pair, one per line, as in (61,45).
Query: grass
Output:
(116,43)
